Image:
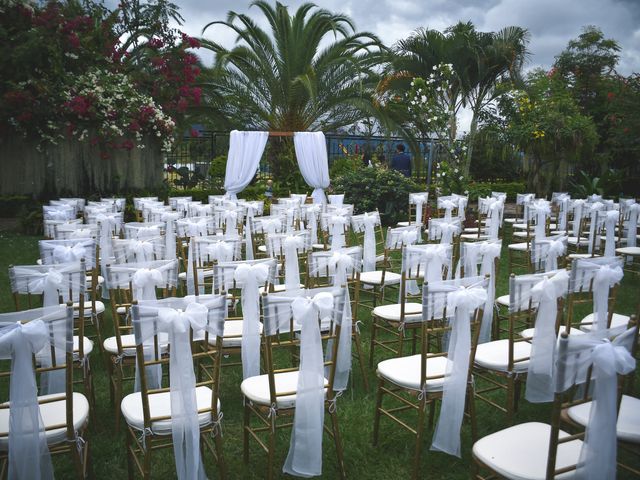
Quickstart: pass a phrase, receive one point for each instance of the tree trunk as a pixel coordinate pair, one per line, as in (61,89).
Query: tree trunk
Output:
(473,129)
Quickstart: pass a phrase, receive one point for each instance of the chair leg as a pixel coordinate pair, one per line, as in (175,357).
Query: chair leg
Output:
(510,399)
(376,417)
(245,433)
(146,465)
(117,394)
(359,353)
(271,447)
(419,431)
(338,442)
(374,330)
(471,407)
(130,460)
(222,467)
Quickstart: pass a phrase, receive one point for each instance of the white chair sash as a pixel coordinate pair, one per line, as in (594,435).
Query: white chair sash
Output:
(145,281)
(369,221)
(28,452)
(562,215)
(448,206)
(632,224)
(557,248)
(448,230)
(69,253)
(610,221)
(292,244)
(605,278)
(542,210)
(185,429)
(419,199)
(578,206)
(142,249)
(593,213)
(170,234)
(251,277)
(609,359)
(312,219)
(252,209)
(463,300)
(540,385)
(337,223)
(305,451)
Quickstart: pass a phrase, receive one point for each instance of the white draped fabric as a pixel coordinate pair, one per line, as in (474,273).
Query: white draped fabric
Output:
(305,451)
(251,277)
(609,359)
(185,428)
(311,152)
(463,301)
(540,386)
(292,245)
(610,221)
(28,452)
(245,150)
(632,224)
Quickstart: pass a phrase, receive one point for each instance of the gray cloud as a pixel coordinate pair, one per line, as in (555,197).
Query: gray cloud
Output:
(552,23)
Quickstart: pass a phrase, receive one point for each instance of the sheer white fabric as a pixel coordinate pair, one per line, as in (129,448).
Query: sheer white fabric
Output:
(632,224)
(540,382)
(578,207)
(609,359)
(463,297)
(598,275)
(419,199)
(305,451)
(177,318)
(28,452)
(479,258)
(444,230)
(311,152)
(610,220)
(367,223)
(245,151)
(427,261)
(336,199)
(542,210)
(68,251)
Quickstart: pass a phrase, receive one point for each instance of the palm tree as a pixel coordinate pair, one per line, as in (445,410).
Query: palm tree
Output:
(283,80)
(481,61)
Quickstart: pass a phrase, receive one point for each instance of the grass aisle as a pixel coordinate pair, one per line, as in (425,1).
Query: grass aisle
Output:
(391,459)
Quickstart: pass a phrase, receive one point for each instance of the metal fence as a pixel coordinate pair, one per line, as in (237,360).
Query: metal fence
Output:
(196,152)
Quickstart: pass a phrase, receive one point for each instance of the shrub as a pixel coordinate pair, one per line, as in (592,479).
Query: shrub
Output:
(218,167)
(484,189)
(371,188)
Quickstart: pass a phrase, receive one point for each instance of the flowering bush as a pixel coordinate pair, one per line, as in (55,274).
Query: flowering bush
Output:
(110,104)
(430,104)
(109,77)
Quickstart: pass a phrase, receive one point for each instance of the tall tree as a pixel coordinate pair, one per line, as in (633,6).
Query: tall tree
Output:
(283,79)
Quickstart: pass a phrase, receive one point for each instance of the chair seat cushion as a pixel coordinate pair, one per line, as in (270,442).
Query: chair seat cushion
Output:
(473,236)
(405,371)
(232,334)
(88,308)
(495,355)
(529,332)
(520,452)
(160,406)
(402,224)
(262,248)
(503,301)
(375,278)
(583,242)
(318,246)
(412,311)
(521,247)
(129,344)
(628,426)
(520,234)
(628,250)
(53,413)
(277,288)
(256,389)
(617,320)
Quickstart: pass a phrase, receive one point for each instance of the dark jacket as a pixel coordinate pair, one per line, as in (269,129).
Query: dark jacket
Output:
(401,161)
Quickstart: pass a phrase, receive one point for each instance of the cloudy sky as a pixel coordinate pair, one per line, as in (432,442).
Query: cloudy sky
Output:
(551,23)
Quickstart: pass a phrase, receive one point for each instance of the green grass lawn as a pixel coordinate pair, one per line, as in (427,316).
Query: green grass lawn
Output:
(391,459)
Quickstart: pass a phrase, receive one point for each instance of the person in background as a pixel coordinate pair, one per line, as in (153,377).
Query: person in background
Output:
(366,156)
(401,161)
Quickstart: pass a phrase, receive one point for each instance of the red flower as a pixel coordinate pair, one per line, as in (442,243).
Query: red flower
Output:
(193,42)
(182,104)
(127,144)
(196,93)
(73,40)
(79,105)
(194,132)
(189,59)
(24,117)
(134,126)
(610,96)
(156,43)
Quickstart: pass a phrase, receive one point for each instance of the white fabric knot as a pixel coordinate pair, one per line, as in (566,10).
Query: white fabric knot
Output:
(369,222)
(194,316)
(598,453)
(340,263)
(142,249)
(219,251)
(145,281)
(68,253)
(271,225)
(408,237)
(246,273)
(81,233)
(604,278)
(293,244)
(448,230)
(556,249)
(337,223)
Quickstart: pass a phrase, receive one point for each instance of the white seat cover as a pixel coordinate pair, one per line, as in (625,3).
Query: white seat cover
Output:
(159,406)
(53,413)
(412,311)
(520,452)
(518,246)
(617,320)
(233,329)
(628,250)
(528,333)
(628,426)
(503,300)
(495,355)
(256,388)
(129,344)
(375,278)
(405,371)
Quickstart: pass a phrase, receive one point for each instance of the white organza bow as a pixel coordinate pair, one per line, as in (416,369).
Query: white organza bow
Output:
(251,277)
(337,223)
(252,209)
(312,219)
(185,428)
(305,451)
(605,278)
(28,452)
(463,301)
(610,221)
(145,281)
(170,234)
(562,216)
(593,213)
(542,209)
(448,230)
(540,385)
(68,253)
(419,200)
(142,249)
(577,216)
(632,224)
(556,249)
(448,206)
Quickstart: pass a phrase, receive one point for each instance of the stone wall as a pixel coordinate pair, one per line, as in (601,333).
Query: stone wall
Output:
(76,168)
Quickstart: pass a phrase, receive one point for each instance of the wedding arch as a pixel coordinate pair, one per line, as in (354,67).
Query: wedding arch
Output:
(246,149)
